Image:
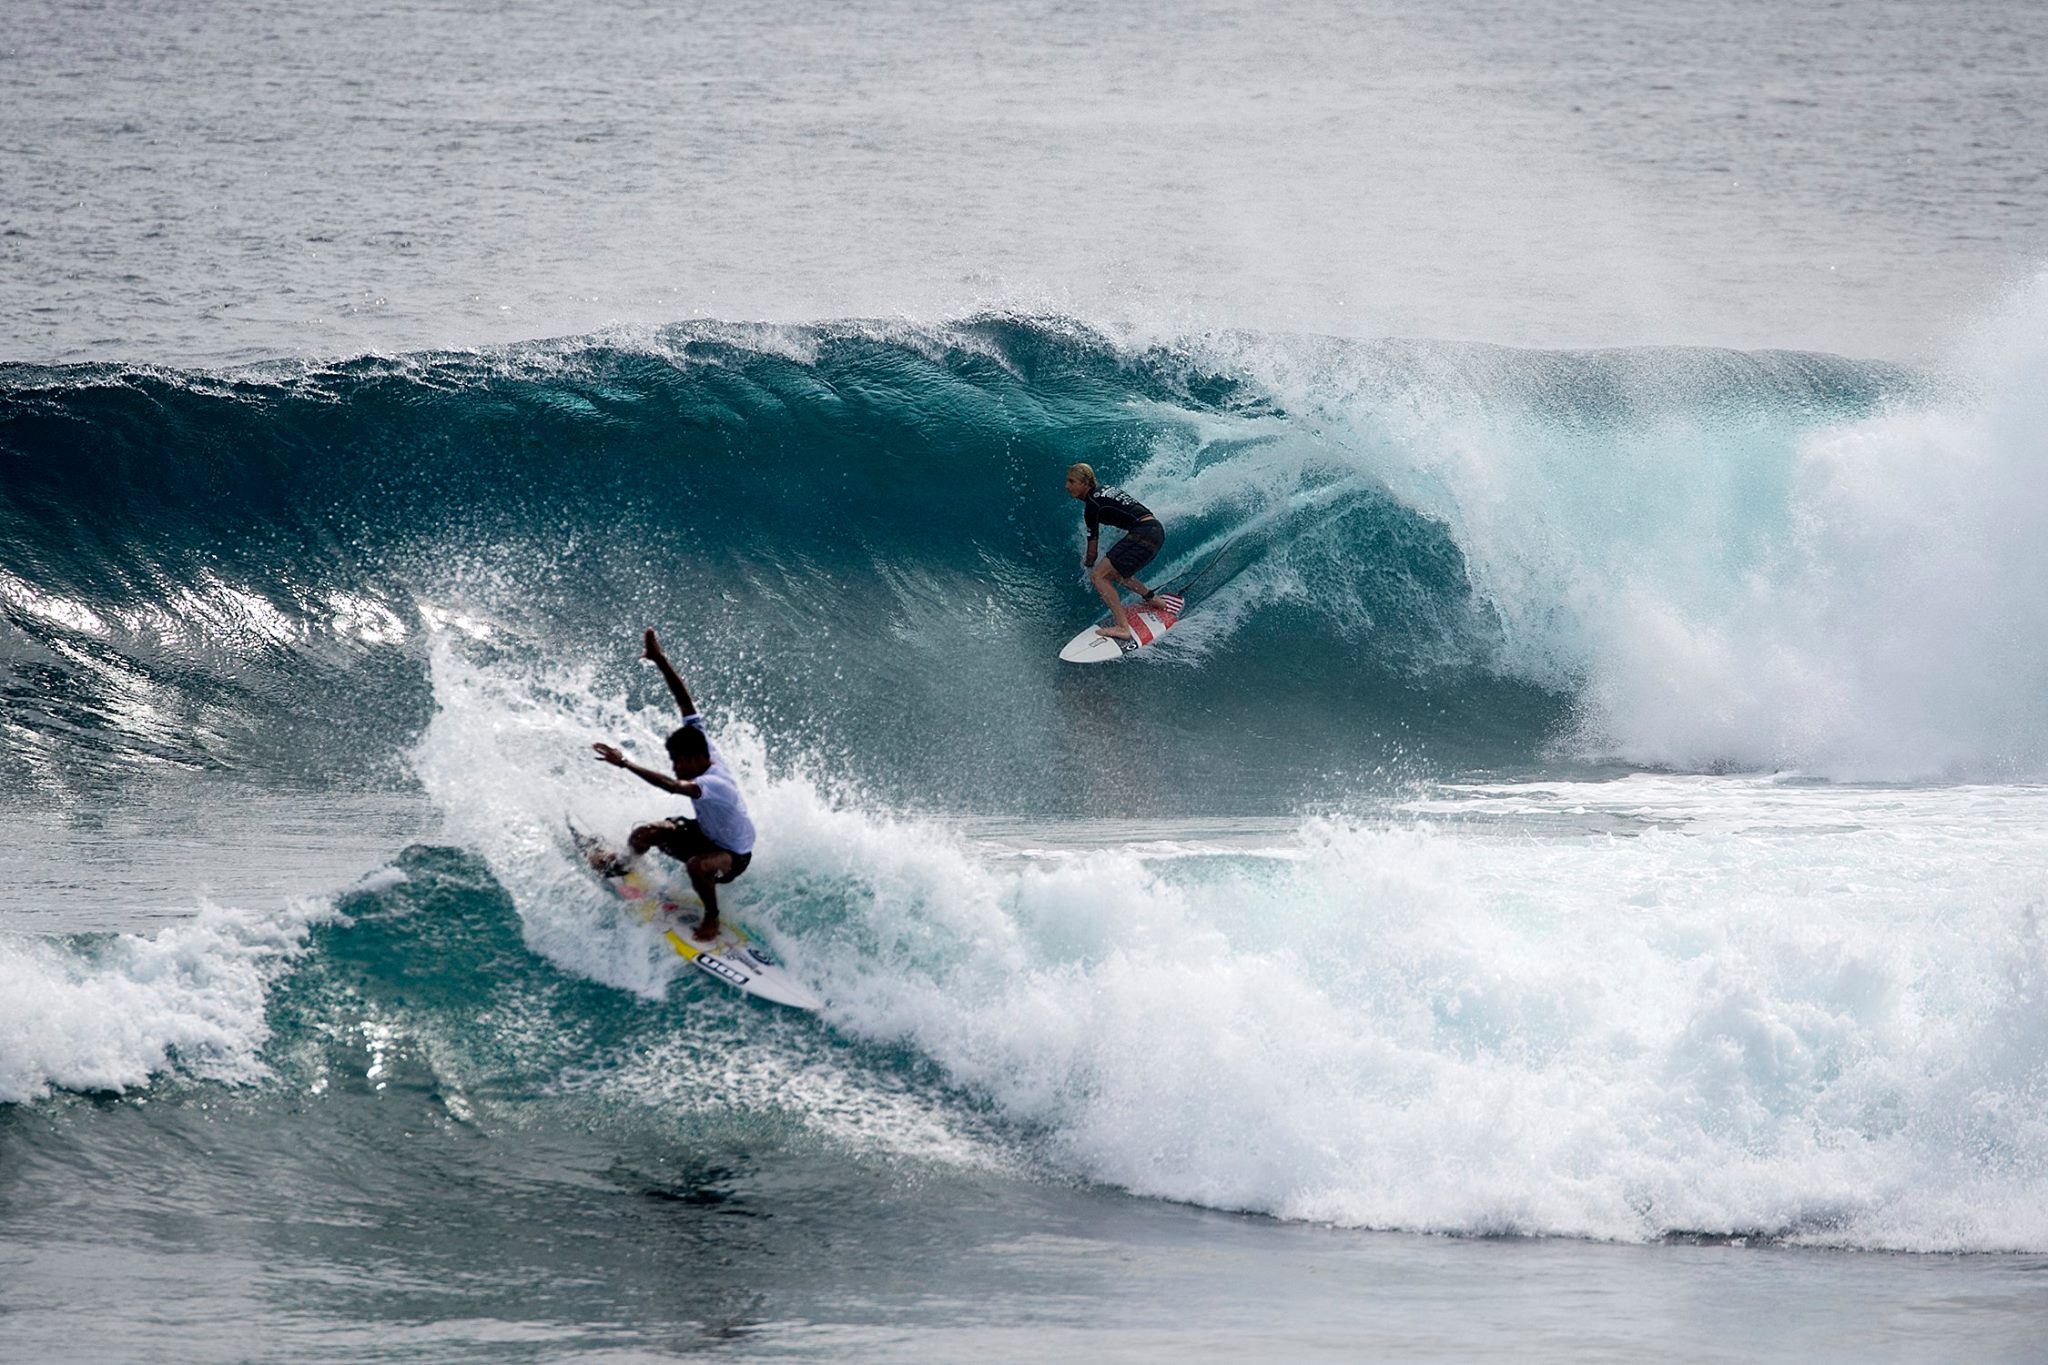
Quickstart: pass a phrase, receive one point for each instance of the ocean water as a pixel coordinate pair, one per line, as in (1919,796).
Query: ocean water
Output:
(1571,888)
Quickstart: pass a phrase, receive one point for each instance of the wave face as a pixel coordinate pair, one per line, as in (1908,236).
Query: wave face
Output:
(1418,557)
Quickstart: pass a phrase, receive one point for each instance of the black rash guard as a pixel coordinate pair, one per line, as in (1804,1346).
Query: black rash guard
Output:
(1114,506)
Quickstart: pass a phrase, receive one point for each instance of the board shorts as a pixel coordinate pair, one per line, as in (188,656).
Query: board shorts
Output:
(683,839)
(1136,549)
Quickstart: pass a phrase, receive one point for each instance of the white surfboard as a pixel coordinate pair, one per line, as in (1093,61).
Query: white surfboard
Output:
(1148,620)
(734,955)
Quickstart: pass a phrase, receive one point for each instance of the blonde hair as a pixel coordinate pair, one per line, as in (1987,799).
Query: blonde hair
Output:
(1085,471)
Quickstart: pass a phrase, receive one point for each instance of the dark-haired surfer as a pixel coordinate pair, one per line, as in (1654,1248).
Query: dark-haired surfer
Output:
(716,845)
(1143,535)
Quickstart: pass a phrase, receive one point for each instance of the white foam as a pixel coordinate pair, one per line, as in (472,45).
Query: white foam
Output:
(1901,630)
(1737,1022)
(1719,588)
(115,1014)
(1619,1009)
(506,760)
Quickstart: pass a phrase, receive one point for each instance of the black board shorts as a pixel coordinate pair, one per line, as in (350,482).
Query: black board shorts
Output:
(1137,548)
(684,839)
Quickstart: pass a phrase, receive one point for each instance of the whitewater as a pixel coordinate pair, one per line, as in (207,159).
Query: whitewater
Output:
(1571,887)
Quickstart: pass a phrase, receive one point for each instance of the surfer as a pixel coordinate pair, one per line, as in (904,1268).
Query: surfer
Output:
(717,844)
(1143,535)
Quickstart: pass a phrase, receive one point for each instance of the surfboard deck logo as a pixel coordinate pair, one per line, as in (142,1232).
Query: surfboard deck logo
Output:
(1148,621)
(733,955)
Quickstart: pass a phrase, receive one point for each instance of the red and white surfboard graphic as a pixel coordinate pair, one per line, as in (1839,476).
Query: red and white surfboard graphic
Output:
(1150,621)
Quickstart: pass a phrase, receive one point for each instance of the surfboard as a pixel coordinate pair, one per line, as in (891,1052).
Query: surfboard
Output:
(735,956)
(1149,621)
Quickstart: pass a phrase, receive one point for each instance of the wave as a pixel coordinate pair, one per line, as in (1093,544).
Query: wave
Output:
(109,1012)
(1738,1018)
(1437,557)
(1634,1008)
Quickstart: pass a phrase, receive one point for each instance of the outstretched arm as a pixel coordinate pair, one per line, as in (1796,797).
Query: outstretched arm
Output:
(653,654)
(608,754)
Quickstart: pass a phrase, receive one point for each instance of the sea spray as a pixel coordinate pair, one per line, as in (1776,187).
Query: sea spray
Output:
(1757,561)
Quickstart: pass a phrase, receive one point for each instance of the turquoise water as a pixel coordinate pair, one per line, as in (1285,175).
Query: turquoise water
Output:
(1570,887)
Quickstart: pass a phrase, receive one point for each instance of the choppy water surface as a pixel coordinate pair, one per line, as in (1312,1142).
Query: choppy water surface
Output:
(247,180)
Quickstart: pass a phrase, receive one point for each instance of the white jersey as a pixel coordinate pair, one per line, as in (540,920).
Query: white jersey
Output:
(721,811)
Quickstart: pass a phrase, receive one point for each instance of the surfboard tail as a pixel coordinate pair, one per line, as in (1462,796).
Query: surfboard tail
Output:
(602,858)
(734,959)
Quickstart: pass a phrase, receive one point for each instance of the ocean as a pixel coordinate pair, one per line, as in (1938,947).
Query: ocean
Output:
(1570,888)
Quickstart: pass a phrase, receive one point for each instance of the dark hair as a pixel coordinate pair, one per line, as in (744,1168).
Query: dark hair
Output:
(688,742)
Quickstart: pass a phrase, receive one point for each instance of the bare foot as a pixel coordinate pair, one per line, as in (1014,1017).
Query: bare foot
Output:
(1114,632)
(705,931)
